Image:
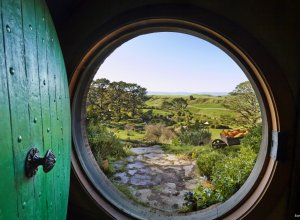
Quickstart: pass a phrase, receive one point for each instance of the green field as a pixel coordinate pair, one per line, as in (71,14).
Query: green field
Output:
(138,136)
(130,135)
(203,107)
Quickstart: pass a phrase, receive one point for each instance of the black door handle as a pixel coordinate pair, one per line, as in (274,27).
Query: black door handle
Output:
(33,160)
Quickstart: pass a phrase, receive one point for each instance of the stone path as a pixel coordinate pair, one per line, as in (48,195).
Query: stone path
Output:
(157,179)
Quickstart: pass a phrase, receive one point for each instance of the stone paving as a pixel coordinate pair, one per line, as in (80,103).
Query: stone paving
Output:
(155,178)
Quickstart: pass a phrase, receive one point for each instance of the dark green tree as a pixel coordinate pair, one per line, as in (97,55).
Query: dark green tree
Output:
(118,99)
(137,95)
(179,105)
(114,100)
(244,101)
(98,101)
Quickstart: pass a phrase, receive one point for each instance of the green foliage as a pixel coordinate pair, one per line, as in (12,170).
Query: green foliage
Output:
(231,173)
(201,107)
(125,109)
(147,116)
(243,100)
(201,198)
(253,139)
(192,136)
(186,150)
(206,161)
(97,101)
(192,97)
(129,135)
(114,100)
(179,104)
(222,127)
(125,189)
(227,172)
(104,143)
(215,133)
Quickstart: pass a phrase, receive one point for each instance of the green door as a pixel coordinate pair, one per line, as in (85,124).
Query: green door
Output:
(34,112)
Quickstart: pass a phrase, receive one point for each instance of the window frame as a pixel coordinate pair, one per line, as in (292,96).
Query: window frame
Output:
(251,193)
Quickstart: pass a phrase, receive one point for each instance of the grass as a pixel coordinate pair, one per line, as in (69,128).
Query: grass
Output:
(127,192)
(130,135)
(186,150)
(203,107)
(208,107)
(139,136)
(215,133)
(211,112)
(161,112)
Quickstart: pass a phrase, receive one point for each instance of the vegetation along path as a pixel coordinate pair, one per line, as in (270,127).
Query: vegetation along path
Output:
(155,178)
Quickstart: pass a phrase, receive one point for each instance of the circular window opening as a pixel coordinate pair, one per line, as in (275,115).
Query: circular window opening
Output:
(173,122)
(163,131)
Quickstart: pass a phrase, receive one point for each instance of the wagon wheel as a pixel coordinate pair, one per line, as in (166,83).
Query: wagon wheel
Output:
(217,143)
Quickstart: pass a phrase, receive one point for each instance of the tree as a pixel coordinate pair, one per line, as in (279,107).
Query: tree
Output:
(118,98)
(179,105)
(108,101)
(192,97)
(166,105)
(137,96)
(97,100)
(243,100)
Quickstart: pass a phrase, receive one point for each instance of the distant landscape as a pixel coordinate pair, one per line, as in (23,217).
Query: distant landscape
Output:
(187,93)
(123,118)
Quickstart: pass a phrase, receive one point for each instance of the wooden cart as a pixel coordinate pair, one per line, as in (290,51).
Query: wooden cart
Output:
(226,141)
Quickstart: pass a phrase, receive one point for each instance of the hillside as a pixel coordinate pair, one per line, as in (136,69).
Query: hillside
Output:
(202,107)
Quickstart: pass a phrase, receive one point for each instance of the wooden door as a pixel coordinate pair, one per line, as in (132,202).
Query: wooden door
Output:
(34,112)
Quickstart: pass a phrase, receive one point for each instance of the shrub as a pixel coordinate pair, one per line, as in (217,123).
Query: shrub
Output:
(194,137)
(192,97)
(129,127)
(104,143)
(201,198)
(253,139)
(146,116)
(222,127)
(207,160)
(230,174)
(226,172)
(158,133)
(167,135)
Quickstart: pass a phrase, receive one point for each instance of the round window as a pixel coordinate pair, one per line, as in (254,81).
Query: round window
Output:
(170,125)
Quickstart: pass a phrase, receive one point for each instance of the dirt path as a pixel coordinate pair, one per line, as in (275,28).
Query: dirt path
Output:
(156,178)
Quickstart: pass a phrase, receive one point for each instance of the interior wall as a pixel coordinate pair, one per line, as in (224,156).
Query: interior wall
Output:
(273,24)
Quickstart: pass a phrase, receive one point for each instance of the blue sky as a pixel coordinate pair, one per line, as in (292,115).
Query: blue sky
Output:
(172,62)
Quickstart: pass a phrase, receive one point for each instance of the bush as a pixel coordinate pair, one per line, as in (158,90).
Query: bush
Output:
(207,160)
(104,143)
(201,198)
(158,133)
(194,137)
(253,139)
(230,174)
(222,127)
(129,127)
(226,169)
(146,116)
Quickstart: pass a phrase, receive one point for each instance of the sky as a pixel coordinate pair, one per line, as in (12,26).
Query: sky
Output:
(172,62)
